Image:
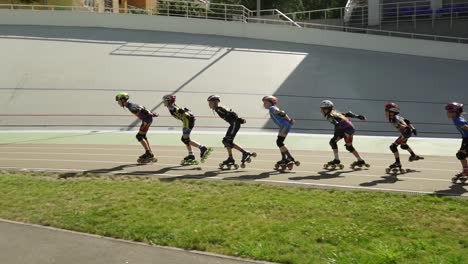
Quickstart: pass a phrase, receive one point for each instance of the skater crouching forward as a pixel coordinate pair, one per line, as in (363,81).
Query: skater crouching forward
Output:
(146,118)
(188,122)
(285,123)
(344,128)
(234,125)
(455,112)
(406,129)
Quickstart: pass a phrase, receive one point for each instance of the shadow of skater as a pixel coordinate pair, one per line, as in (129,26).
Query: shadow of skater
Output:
(206,174)
(383,180)
(454,190)
(252,177)
(96,171)
(322,175)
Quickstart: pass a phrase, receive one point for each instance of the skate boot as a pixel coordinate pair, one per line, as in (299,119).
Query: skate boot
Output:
(281,164)
(331,165)
(147,158)
(395,168)
(360,164)
(189,160)
(204,153)
(415,158)
(247,158)
(228,164)
(462,177)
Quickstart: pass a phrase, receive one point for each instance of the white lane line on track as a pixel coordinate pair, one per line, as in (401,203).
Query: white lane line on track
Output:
(251,169)
(433,159)
(261,180)
(211,158)
(80,170)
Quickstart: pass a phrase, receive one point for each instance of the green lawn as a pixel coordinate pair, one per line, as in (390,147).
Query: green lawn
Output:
(275,223)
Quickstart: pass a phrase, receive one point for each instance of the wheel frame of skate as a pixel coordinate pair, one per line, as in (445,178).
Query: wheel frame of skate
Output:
(223,166)
(460,179)
(288,166)
(248,160)
(333,166)
(396,170)
(208,153)
(366,165)
(146,161)
(189,163)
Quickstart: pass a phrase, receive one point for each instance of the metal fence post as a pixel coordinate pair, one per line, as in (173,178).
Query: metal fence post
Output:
(186,10)
(451,15)
(398,16)
(225,13)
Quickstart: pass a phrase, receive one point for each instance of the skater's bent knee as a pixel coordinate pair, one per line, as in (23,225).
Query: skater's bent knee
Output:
(333,143)
(140,137)
(228,142)
(461,155)
(280,141)
(186,140)
(394,148)
(350,148)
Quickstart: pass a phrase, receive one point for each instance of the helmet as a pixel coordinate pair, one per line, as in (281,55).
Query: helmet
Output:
(392,107)
(214,98)
(271,99)
(169,97)
(326,104)
(454,107)
(121,96)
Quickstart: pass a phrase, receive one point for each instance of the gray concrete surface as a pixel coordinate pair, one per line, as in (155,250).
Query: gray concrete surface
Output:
(31,244)
(76,72)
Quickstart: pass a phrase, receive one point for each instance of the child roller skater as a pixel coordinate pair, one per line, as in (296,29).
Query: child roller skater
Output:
(343,129)
(234,125)
(188,121)
(285,123)
(455,112)
(404,126)
(147,118)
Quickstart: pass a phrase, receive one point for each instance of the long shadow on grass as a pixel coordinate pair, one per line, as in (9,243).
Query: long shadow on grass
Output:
(322,175)
(454,190)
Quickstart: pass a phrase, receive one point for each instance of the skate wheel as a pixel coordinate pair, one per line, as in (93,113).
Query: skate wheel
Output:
(325,166)
(454,179)
(290,166)
(242,165)
(367,165)
(236,166)
(297,163)
(249,160)
(463,180)
(333,167)
(229,167)
(254,154)
(387,170)
(341,166)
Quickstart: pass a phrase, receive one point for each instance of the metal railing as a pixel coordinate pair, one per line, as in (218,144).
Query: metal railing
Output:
(421,11)
(333,16)
(271,14)
(243,16)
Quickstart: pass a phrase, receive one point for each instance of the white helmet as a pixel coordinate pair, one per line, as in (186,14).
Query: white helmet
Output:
(326,104)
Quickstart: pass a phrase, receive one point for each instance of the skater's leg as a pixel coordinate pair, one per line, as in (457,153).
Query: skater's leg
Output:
(350,147)
(334,146)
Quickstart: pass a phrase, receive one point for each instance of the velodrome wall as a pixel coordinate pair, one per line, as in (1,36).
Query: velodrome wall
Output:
(406,46)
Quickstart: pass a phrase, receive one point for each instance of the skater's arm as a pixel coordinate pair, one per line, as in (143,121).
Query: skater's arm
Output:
(413,129)
(285,116)
(465,127)
(353,115)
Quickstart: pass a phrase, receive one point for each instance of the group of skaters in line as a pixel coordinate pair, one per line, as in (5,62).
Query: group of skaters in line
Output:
(344,129)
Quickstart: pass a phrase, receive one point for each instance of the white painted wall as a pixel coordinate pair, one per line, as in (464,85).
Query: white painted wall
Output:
(237,29)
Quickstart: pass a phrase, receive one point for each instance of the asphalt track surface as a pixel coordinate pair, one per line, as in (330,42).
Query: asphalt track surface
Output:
(429,176)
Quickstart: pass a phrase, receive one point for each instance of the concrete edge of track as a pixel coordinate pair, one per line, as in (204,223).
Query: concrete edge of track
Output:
(259,140)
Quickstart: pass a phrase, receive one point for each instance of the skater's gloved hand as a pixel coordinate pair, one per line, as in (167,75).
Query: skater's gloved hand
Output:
(292,121)
(414,132)
(155,114)
(361,117)
(242,120)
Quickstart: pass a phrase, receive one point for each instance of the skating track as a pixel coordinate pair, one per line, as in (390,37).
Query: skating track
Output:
(431,175)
